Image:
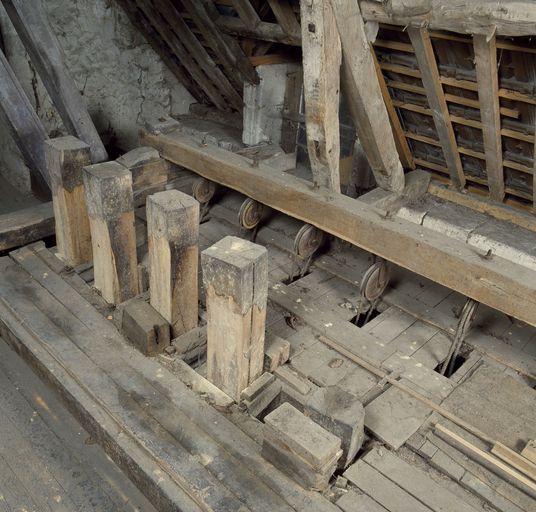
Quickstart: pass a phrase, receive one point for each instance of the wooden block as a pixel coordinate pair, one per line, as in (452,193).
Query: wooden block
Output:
(145,328)
(235,276)
(276,353)
(297,468)
(529,452)
(65,158)
(262,401)
(111,217)
(149,171)
(258,385)
(301,436)
(292,379)
(342,414)
(191,340)
(173,231)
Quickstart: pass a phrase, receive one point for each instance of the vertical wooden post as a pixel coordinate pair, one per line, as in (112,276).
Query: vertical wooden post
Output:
(235,276)
(111,218)
(364,97)
(424,52)
(488,96)
(173,232)
(66,157)
(321,48)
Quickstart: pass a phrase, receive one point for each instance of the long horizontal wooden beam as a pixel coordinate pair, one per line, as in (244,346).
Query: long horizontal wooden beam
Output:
(513,18)
(22,227)
(496,282)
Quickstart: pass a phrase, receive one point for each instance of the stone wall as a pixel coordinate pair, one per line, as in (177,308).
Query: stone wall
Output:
(122,79)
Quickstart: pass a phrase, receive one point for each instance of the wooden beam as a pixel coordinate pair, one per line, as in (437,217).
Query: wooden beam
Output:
(30,21)
(402,146)
(25,226)
(175,44)
(226,49)
(192,45)
(110,207)
(285,16)
(291,109)
(321,83)
(153,38)
(420,39)
(246,13)
(66,157)
(235,276)
(23,124)
(488,96)
(501,284)
(173,233)
(514,18)
(264,31)
(364,97)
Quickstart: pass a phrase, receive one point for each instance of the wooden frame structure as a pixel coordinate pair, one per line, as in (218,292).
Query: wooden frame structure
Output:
(483,141)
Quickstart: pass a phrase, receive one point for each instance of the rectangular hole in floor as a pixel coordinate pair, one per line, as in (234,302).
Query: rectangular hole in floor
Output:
(458,363)
(362,319)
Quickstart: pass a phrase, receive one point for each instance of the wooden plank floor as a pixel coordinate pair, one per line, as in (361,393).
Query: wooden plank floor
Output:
(48,462)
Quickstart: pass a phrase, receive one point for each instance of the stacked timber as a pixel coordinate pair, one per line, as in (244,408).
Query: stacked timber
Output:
(300,448)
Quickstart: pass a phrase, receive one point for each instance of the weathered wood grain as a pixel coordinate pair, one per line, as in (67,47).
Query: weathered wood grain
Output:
(173,233)
(235,276)
(66,157)
(109,200)
(496,282)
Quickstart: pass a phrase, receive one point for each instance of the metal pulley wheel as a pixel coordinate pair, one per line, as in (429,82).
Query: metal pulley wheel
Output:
(203,190)
(307,241)
(250,213)
(375,281)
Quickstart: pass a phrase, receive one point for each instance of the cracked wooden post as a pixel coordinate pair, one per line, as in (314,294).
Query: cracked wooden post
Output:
(173,232)
(235,276)
(65,159)
(111,218)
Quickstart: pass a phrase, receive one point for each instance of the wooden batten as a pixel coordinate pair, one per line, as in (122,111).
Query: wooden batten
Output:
(173,234)
(66,157)
(365,99)
(401,142)
(321,84)
(488,95)
(235,276)
(429,73)
(110,207)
